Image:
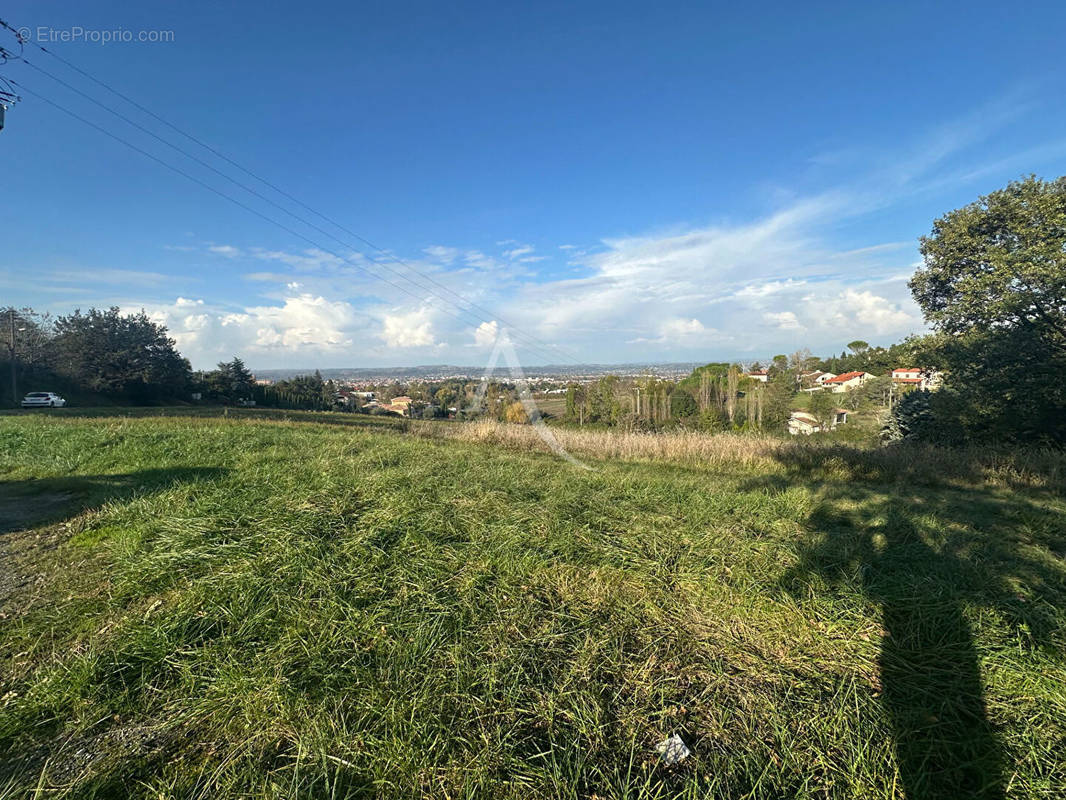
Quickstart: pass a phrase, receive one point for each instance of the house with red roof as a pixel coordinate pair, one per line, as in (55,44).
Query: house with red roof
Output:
(912,376)
(815,381)
(907,375)
(847,381)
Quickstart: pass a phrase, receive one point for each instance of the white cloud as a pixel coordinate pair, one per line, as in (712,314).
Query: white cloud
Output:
(802,273)
(227,250)
(478,260)
(486,334)
(785,320)
(304,321)
(721,290)
(196,322)
(443,254)
(300,330)
(310,259)
(518,252)
(118,277)
(700,289)
(767,288)
(521,253)
(411,329)
(681,333)
(862,310)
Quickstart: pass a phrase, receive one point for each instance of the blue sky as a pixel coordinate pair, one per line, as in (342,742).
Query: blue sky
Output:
(627,181)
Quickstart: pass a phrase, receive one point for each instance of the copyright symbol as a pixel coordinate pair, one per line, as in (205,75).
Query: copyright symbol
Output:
(23,33)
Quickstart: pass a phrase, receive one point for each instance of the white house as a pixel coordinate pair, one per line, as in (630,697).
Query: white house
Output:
(760,375)
(847,381)
(801,422)
(912,376)
(815,381)
(907,375)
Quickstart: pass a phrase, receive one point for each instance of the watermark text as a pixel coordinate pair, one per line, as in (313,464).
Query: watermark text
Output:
(44,34)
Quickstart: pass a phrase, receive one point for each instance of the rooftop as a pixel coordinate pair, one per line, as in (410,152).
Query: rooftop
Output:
(847,376)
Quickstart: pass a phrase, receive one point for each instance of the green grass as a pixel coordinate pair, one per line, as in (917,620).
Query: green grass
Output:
(249,607)
(552,406)
(211,412)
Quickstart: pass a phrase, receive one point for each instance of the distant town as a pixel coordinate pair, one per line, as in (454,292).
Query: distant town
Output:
(358,377)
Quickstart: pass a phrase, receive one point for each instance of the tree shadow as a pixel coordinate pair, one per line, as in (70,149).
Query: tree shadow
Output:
(37,502)
(925,555)
(31,510)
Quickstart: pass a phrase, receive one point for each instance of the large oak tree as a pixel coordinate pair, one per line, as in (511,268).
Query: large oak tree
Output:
(999,263)
(993,285)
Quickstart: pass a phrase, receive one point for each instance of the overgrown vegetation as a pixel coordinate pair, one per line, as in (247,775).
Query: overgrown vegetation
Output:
(236,607)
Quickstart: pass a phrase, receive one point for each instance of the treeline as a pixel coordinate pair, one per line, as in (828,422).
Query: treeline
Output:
(722,397)
(105,357)
(232,383)
(860,356)
(718,396)
(102,356)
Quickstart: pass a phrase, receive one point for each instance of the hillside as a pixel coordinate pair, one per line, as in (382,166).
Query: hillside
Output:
(243,606)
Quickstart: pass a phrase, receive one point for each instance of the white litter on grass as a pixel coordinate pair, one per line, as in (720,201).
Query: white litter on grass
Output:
(672,750)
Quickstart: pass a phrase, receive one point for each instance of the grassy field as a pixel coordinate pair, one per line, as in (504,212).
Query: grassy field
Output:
(246,606)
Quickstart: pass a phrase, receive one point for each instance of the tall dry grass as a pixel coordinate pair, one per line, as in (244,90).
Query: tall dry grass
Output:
(907,461)
(685,447)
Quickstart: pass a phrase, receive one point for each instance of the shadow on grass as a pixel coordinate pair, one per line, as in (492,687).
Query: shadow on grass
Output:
(36,502)
(925,555)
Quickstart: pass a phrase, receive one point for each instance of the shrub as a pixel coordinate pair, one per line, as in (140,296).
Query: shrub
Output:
(912,418)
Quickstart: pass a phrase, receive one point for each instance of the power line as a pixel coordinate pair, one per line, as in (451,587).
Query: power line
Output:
(245,206)
(218,172)
(492,316)
(264,198)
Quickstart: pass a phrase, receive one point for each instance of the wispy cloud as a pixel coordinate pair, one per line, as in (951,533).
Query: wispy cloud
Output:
(446,255)
(311,259)
(227,250)
(116,277)
(806,271)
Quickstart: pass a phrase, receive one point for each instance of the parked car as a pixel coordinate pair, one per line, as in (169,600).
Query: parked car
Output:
(43,400)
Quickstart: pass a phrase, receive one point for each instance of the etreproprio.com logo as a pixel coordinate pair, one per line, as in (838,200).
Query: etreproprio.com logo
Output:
(43,34)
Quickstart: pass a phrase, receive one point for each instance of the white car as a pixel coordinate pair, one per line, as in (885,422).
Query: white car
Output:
(43,400)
